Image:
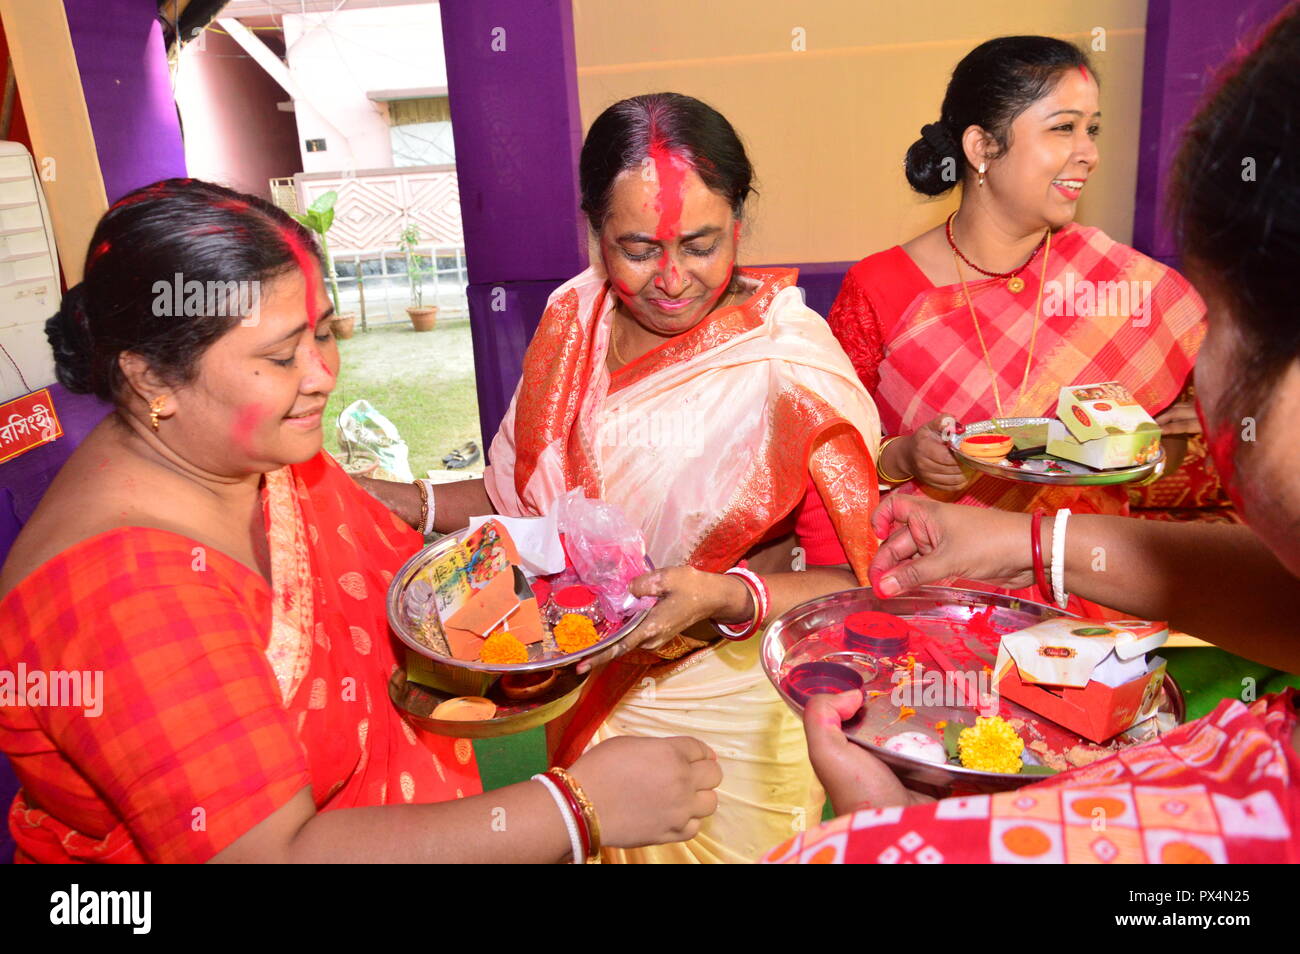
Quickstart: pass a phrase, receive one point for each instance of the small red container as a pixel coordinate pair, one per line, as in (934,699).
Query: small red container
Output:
(574,599)
(881,634)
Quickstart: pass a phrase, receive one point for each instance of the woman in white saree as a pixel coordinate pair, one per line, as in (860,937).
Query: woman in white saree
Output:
(718,411)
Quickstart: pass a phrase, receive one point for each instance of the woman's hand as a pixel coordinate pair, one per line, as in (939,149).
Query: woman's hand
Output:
(852,776)
(926,541)
(649,791)
(1179,420)
(930,459)
(685,597)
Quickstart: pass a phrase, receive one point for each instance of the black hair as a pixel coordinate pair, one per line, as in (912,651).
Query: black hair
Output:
(627,132)
(174,230)
(1235,205)
(992,85)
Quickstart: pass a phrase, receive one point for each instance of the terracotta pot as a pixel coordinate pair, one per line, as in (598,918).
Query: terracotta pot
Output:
(423,319)
(343,325)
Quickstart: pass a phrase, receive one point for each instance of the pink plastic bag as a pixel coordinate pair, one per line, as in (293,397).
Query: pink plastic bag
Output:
(607,552)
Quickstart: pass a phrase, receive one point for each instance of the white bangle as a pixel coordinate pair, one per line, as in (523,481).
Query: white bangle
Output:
(428,520)
(1058,558)
(571,823)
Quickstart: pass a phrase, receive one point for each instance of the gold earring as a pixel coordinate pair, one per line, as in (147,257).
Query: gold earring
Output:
(156,408)
(982,168)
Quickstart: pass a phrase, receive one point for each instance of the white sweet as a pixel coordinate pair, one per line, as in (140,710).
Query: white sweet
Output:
(917,745)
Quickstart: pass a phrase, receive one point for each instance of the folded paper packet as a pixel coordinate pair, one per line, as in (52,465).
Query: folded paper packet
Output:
(505,601)
(1091,677)
(1102,426)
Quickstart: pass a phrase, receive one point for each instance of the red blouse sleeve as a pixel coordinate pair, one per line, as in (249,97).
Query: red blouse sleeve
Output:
(812,525)
(854,322)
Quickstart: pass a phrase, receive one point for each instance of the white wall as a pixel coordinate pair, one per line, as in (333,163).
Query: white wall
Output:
(337,58)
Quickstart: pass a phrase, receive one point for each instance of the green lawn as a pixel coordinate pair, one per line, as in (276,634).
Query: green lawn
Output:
(421,381)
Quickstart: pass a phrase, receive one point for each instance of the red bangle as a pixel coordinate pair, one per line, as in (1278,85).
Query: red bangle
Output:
(1040,575)
(574,806)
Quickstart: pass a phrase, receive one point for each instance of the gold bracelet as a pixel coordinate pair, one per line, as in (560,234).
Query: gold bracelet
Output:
(880,459)
(424,505)
(588,811)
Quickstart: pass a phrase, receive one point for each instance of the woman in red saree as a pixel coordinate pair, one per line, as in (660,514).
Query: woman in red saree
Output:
(717,411)
(1223,788)
(990,314)
(213,586)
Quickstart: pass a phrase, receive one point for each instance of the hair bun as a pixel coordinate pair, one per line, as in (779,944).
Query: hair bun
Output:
(937,135)
(68,332)
(934,163)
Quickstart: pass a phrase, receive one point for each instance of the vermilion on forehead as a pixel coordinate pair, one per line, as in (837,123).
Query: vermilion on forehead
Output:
(307,265)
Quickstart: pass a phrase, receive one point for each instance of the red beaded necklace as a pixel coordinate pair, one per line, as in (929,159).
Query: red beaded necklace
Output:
(1014,282)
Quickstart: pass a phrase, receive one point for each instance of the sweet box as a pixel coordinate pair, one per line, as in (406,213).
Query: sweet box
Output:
(1102,426)
(1092,677)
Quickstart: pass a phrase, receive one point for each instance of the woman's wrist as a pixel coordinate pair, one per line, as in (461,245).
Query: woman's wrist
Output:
(895,465)
(401,498)
(733,601)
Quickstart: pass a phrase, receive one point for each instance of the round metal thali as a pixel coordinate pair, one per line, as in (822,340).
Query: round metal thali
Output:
(1044,468)
(963,625)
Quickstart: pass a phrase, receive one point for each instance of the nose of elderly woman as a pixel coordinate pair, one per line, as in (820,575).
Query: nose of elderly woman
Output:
(671,279)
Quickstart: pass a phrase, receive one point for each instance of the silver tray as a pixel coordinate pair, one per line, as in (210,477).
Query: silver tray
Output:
(952,618)
(1071,475)
(540,658)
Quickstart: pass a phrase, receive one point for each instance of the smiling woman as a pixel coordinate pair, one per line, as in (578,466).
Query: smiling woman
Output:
(227,579)
(990,314)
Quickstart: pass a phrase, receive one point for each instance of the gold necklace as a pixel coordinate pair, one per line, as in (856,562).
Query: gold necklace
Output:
(613,331)
(1033,336)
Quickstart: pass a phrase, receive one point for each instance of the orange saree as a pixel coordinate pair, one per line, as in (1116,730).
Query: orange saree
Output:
(222,696)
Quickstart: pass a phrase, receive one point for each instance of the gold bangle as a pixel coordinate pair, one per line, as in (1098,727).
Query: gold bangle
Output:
(424,505)
(588,811)
(880,459)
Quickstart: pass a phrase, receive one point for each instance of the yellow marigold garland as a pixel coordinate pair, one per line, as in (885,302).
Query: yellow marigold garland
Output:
(991,745)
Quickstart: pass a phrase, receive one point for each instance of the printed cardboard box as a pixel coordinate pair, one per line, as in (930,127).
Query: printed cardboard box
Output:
(1102,426)
(1091,677)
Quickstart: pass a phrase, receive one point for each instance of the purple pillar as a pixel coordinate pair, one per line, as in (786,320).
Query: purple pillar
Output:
(128,91)
(512,82)
(1186,42)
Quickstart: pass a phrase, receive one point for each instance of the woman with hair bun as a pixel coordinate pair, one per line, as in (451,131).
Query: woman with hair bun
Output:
(1224,788)
(220,572)
(989,314)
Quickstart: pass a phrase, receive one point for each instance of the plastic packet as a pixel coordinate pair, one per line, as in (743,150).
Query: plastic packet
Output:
(366,435)
(606,551)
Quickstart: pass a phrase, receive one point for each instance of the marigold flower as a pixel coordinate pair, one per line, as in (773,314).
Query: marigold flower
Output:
(574,632)
(991,745)
(502,649)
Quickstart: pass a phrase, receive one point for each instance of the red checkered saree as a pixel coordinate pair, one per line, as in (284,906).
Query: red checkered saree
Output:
(1221,789)
(767,399)
(915,348)
(222,696)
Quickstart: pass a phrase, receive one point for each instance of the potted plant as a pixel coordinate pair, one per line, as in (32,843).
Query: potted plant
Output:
(319,217)
(422,317)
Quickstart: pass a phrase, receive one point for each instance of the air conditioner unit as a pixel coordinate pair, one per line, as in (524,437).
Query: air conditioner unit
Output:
(29,275)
